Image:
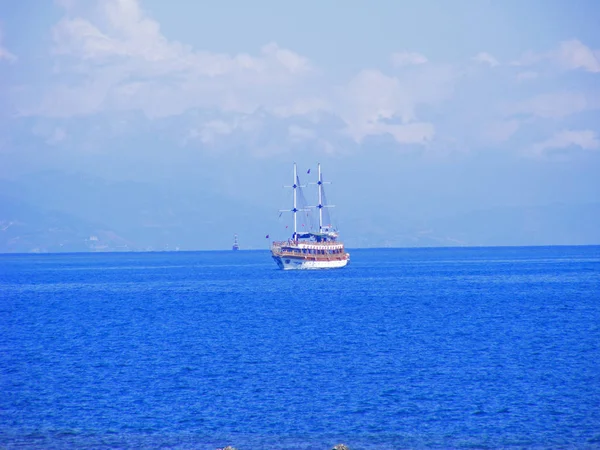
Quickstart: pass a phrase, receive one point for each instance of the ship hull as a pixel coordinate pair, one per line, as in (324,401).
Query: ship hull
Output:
(291,263)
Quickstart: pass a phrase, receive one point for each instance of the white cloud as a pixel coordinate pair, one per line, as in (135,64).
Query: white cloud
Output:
(585,139)
(298,133)
(574,55)
(553,105)
(302,107)
(501,131)
(570,55)
(123,60)
(51,134)
(528,58)
(115,57)
(400,59)
(375,96)
(486,58)
(130,34)
(4,53)
(411,133)
(139,38)
(213,128)
(375,103)
(58,136)
(66,4)
(293,62)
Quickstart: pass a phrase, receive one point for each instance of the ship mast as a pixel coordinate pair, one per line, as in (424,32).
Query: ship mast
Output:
(295,185)
(295,210)
(320,184)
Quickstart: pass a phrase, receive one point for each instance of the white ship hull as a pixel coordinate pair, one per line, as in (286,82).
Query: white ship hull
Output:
(290,263)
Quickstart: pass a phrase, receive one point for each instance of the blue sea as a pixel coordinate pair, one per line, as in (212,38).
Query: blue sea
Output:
(403,348)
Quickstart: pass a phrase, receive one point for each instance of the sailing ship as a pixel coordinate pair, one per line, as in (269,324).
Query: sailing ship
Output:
(235,243)
(318,249)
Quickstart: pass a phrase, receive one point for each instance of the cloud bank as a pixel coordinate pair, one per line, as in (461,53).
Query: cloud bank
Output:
(113,57)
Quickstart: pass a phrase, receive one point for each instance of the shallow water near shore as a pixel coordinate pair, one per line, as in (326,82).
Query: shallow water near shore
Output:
(403,348)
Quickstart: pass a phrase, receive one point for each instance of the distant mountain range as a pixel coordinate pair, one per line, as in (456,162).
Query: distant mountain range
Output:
(556,224)
(56,212)
(27,228)
(53,211)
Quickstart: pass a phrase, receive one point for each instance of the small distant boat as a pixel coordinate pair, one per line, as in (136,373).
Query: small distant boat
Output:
(310,249)
(235,243)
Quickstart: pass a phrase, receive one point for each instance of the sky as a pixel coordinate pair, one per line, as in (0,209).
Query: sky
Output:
(414,108)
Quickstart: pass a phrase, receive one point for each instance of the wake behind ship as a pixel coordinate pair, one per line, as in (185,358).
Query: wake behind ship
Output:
(319,249)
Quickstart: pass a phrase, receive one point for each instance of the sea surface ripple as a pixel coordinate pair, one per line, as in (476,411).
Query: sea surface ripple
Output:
(403,348)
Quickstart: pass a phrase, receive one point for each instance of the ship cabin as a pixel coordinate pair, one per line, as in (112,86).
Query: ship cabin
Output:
(310,245)
(324,236)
